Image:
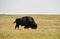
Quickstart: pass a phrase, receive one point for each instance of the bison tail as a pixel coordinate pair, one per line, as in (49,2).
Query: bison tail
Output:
(14,22)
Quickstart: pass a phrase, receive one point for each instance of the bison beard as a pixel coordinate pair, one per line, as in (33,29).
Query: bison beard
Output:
(27,22)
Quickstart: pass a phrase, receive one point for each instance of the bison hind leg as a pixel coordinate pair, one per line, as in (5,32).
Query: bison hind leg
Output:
(17,26)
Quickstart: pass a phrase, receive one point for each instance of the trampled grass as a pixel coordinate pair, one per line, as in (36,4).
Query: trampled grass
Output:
(48,27)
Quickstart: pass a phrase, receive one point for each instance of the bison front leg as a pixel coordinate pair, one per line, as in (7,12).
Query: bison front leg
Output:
(26,26)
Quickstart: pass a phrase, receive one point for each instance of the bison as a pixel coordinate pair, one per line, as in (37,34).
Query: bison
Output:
(26,21)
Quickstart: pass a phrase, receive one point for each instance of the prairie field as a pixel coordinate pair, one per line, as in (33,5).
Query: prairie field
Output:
(48,27)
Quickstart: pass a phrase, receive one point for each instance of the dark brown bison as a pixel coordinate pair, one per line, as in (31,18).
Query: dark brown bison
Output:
(27,22)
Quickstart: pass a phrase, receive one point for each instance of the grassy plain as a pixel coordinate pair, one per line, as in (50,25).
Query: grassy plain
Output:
(48,27)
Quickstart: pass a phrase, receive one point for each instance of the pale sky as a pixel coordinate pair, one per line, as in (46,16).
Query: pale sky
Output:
(29,6)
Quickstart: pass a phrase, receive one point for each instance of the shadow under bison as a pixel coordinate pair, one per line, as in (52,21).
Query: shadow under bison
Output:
(27,22)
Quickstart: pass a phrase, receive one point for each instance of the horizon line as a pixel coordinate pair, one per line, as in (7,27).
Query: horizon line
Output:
(30,13)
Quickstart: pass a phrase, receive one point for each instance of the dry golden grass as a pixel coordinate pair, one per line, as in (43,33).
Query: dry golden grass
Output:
(48,27)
